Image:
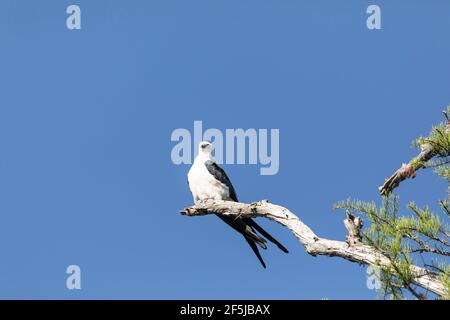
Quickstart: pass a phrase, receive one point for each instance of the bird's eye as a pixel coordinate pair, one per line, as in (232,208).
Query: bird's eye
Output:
(204,146)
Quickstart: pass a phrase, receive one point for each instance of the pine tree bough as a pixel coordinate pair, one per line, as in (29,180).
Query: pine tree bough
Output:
(352,249)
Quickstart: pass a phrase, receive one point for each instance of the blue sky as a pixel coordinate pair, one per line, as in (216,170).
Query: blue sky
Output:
(86,116)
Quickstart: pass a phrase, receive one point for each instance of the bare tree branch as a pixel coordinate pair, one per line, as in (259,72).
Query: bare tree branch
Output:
(352,249)
(427,152)
(407,170)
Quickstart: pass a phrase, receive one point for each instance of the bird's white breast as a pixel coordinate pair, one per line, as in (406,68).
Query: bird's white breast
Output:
(203,185)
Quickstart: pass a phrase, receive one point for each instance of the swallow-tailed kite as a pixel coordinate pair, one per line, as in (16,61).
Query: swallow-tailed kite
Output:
(208,181)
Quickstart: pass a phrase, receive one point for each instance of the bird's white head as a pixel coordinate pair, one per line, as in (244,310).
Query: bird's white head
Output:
(205,149)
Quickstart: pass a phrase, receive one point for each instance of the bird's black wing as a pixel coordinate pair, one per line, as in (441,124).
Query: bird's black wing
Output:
(250,222)
(221,176)
(244,226)
(256,251)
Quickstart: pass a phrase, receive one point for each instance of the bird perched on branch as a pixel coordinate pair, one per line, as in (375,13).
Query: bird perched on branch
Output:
(208,181)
